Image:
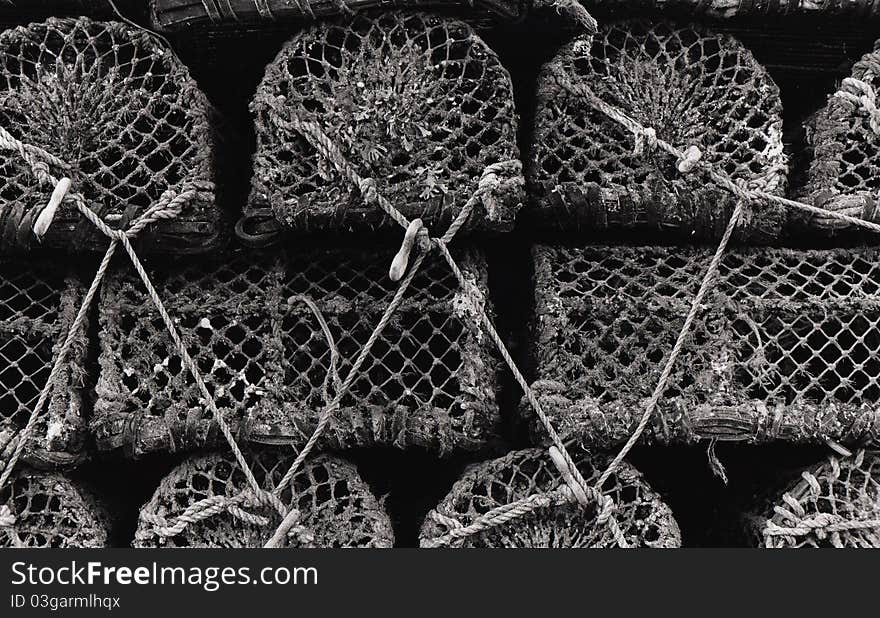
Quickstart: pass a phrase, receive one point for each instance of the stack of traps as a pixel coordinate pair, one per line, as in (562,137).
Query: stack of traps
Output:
(784,347)
(643,518)
(416,102)
(38,303)
(336,507)
(49,510)
(694,89)
(251,326)
(833,504)
(128,124)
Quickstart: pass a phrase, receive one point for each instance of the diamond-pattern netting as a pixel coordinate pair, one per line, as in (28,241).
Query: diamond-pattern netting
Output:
(51,511)
(38,302)
(643,518)
(429,380)
(694,89)
(337,509)
(840,491)
(844,150)
(415,101)
(785,347)
(124,114)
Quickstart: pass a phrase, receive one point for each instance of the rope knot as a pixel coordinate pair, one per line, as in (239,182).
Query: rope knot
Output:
(690,159)
(401,260)
(7,518)
(581,493)
(861,93)
(645,140)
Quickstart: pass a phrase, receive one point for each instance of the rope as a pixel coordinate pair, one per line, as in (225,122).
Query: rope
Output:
(861,93)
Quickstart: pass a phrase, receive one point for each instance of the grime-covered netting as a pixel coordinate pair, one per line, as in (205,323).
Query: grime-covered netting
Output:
(843,142)
(336,508)
(644,519)
(175,15)
(38,303)
(784,348)
(417,102)
(42,509)
(833,504)
(257,327)
(127,124)
(696,90)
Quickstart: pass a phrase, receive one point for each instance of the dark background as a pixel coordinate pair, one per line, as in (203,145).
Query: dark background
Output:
(806,57)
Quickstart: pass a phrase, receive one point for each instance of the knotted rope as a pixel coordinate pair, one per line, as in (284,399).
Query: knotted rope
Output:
(861,93)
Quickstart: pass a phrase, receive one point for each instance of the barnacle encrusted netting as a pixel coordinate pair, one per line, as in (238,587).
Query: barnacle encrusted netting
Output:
(417,102)
(337,509)
(50,510)
(694,89)
(175,15)
(38,302)
(844,141)
(834,504)
(127,121)
(643,518)
(785,345)
(429,381)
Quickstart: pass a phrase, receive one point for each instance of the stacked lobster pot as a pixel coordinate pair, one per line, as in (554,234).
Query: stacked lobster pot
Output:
(100,124)
(668,132)
(368,127)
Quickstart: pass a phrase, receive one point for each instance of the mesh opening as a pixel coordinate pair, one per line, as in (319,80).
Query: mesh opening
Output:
(846,489)
(415,101)
(429,381)
(785,347)
(37,305)
(123,112)
(643,518)
(337,508)
(52,511)
(843,145)
(693,88)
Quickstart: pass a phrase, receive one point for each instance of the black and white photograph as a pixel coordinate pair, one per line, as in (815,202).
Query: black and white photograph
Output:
(435,274)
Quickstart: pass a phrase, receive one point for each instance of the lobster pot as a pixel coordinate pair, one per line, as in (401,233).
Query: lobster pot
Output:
(844,151)
(642,516)
(38,303)
(252,327)
(586,174)
(127,121)
(724,9)
(175,15)
(833,504)
(416,102)
(337,509)
(50,510)
(784,348)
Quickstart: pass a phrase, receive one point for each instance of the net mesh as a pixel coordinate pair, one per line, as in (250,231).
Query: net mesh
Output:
(843,148)
(840,490)
(418,102)
(785,347)
(429,380)
(337,508)
(51,511)
(127,118)
(643,518)
(38,302)
(693,88)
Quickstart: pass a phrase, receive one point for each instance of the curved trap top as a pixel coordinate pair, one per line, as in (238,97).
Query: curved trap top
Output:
(693,88)
(49,510)
(643,518)
(123,115)
(417,102)
(337,508)
(844,141)
(833,504)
